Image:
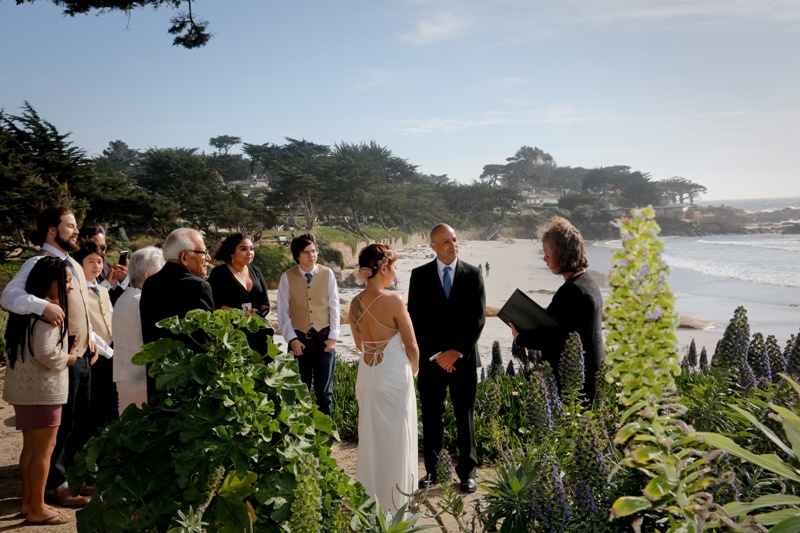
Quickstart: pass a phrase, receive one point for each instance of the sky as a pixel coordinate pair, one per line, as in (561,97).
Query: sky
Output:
(705,90)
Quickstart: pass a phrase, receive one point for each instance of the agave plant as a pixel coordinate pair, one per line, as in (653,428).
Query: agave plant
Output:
(786,519)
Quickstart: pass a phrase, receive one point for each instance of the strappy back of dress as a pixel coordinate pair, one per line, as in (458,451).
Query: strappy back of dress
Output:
(373,350)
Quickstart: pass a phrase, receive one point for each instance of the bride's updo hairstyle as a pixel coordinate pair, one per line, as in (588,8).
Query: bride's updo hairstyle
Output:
(371,259)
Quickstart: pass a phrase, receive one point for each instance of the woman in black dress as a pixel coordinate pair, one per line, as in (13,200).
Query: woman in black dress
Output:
(576,306)
(238,284)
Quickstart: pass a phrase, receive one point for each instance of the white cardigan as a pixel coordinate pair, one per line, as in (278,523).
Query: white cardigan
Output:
(42,378)
(126,323)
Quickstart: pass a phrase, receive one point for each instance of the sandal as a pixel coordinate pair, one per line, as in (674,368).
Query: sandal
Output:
(49,521)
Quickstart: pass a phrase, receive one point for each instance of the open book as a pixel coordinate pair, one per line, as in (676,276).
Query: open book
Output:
(525,313)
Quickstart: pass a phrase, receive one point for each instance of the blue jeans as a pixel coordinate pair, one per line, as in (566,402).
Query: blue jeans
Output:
(316,370)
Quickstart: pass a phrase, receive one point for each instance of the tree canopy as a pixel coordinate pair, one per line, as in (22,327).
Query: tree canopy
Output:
(298,183)
(189,30)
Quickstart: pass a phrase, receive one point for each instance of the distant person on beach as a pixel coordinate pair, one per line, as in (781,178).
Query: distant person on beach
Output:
(37,384)
(179,287)
(487,269)
(447,305)
(480,269)
(308,317)
(387,403)
(577,305)
(239,284)
(57,234)
(131,380)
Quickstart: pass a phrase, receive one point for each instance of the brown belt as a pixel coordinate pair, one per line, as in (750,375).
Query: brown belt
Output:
(313,334)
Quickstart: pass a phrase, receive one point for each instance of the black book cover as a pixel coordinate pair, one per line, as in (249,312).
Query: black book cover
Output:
(525,313)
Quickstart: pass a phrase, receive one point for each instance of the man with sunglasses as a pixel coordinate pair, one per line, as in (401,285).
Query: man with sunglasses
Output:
(176,289)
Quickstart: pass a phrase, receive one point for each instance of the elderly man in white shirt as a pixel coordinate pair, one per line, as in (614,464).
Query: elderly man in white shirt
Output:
(131,379)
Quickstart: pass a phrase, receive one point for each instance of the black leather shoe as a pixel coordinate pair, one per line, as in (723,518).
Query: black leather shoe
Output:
(427,481)
(469,485)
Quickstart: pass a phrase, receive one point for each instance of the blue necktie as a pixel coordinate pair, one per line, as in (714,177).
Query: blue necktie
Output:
(447,283)
(309,276)
(95,289)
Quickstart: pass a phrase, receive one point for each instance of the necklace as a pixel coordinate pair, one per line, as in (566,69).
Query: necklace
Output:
(576,273)
(239,273)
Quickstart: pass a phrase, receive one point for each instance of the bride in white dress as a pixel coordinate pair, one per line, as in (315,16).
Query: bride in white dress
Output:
(387,404)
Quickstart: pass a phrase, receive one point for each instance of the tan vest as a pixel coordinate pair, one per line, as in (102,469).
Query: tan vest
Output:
(100,314)
(78,302)
(308,302)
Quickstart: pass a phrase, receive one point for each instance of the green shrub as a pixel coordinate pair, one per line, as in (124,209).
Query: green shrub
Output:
(228,433)
(345,405)
(8,269)
(328,254)
(273,261)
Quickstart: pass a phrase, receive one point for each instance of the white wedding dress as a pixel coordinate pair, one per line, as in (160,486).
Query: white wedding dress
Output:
(387,420)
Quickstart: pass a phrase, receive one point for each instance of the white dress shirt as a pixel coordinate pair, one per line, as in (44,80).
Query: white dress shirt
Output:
(285,318)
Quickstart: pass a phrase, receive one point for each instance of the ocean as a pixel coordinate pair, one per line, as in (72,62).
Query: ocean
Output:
(712,275)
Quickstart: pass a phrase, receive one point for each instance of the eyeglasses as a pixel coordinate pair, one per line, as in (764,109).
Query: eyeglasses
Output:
(103,247)
(203,252)
(309,252)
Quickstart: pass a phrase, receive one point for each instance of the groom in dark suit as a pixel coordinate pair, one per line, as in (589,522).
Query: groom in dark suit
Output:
(447,304)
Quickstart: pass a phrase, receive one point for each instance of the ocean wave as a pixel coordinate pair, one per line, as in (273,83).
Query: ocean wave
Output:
(735,271)
(786,246)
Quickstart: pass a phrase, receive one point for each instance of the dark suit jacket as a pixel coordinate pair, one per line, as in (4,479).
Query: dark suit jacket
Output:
(442,323)
(172,291)
(577,306)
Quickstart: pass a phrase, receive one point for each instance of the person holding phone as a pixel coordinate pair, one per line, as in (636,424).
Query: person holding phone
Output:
(103,405)
(113,277)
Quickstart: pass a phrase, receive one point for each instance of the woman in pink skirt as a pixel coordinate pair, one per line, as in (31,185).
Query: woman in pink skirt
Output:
(36,384)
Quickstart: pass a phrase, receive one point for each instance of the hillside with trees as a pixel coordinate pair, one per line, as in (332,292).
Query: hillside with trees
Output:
(302,184)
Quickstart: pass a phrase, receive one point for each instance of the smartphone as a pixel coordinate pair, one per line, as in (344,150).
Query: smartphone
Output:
(123,258)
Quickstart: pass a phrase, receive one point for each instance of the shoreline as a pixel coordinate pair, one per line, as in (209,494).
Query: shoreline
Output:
(515,263)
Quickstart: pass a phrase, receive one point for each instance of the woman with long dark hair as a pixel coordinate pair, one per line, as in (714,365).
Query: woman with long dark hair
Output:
(239,284)
(36,383)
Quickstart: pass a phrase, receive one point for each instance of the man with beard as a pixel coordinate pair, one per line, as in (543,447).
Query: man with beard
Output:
(57,234)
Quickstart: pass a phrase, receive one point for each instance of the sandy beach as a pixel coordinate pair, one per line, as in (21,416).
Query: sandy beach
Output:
(513,264)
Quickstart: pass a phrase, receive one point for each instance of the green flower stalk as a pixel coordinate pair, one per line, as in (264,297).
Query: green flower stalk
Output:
(306,516)
(643,356)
